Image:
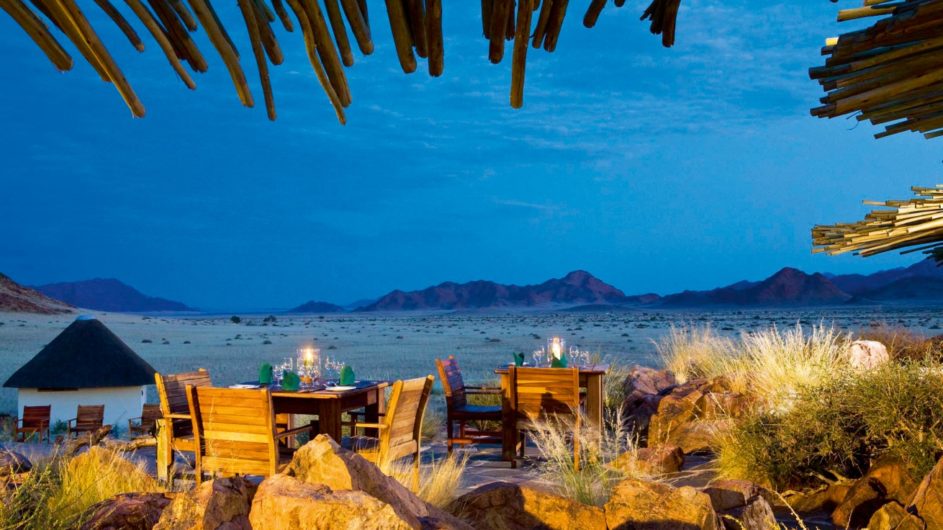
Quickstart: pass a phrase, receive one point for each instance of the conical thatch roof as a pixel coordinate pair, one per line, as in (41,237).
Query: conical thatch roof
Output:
(85,355)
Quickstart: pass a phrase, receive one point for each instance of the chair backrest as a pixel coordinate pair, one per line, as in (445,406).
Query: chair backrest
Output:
(452,383)
(543,393)
(403,418)
(89,417)
(172,392)
(150,413)
(234,430)
(36,417)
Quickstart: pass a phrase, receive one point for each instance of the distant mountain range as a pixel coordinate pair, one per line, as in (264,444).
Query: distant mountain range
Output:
(15,298)
(108,295)
(578,290)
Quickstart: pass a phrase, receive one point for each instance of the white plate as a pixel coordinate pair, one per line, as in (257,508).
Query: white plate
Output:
(245,387)
(340,388)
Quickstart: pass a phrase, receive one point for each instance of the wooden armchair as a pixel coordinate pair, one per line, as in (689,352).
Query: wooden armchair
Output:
(35,422)
(459,411)
(88,419)
(546,395)
(400,429)
(234,430)
(146,423)
(175,428)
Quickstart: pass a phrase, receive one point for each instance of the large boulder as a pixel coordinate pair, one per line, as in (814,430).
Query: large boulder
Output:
(636,504)
(692,415)
(822,499)
(286,503)
(221,504)
(643,389)
(323,461)
(650,461)
(893,516)
(742,504)
(503,506)
(887,480)
(867,354)
(927,502)
(128,511)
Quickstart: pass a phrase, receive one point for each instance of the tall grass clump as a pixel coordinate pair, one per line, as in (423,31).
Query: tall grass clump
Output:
(903,343)
(839,426)
(598,448)
(693,351)
(773,364)
(58,492)
(439,482)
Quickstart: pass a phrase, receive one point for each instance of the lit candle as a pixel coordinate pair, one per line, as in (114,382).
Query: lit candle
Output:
(556,347)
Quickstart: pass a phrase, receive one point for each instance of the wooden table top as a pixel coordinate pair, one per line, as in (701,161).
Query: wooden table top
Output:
(596,369)
(362,386)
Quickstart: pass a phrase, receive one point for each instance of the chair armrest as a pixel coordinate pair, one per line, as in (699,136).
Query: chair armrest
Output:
(177,416)
(70,421)
(138,418)
(359,425)
(482,390)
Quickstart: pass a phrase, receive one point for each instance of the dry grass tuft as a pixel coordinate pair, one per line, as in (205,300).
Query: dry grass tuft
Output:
(692,351)
(438,482)
(903,343)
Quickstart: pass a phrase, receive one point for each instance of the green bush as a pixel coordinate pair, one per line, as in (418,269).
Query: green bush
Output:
(839,426)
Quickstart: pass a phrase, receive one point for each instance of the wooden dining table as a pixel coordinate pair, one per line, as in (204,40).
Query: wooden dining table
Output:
(591,382)
(329,405)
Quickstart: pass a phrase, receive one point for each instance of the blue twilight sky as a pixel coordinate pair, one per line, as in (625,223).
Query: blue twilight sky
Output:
(655,169)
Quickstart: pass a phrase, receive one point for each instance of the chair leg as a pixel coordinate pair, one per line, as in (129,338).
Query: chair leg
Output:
(448,434)
(416,460)
(523,444)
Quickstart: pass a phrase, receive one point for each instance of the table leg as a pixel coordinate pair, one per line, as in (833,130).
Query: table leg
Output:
(509,423)
(595,399)
(330,418)
(376,406)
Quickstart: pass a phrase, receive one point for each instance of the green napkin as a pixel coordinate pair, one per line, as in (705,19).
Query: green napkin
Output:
(347,376)
(265,374)
(519,359)
(290,381)
(559,363)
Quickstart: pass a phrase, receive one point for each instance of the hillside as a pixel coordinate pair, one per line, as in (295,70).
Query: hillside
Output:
(18,299)
(788,287)
(576,288)
(108,295)
(317,307)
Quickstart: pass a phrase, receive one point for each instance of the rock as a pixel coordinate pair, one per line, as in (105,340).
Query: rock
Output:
(887,480)
(643,389)
(286,503)
(221,504)
(867,354)
(128,511)
(893,516)
(927,503)
(13,463)
(744,501)
(503,506)
(650,460)
(322,461)
(823,499)
(692,415)
(650,505)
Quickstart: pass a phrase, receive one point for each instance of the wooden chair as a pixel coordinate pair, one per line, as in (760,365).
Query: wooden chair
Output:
(400,429)
(235,431)
(35,422)
(146,423)
(546,395)
(175,428)
(88,419)
(459,411)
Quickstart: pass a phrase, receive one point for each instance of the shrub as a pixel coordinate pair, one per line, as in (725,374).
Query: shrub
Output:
(235,320)
(592,483)
(839,426)
(692,351)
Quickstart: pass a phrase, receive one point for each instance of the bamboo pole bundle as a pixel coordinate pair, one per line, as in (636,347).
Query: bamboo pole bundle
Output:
(889,73)
(416,28)
(908,225)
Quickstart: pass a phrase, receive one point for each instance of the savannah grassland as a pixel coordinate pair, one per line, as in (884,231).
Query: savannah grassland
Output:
(389,346)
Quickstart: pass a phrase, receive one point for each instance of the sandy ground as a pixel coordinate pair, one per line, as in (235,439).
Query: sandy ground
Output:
(392,346)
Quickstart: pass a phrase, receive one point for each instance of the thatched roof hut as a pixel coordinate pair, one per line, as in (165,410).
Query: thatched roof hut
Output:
(86,364)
